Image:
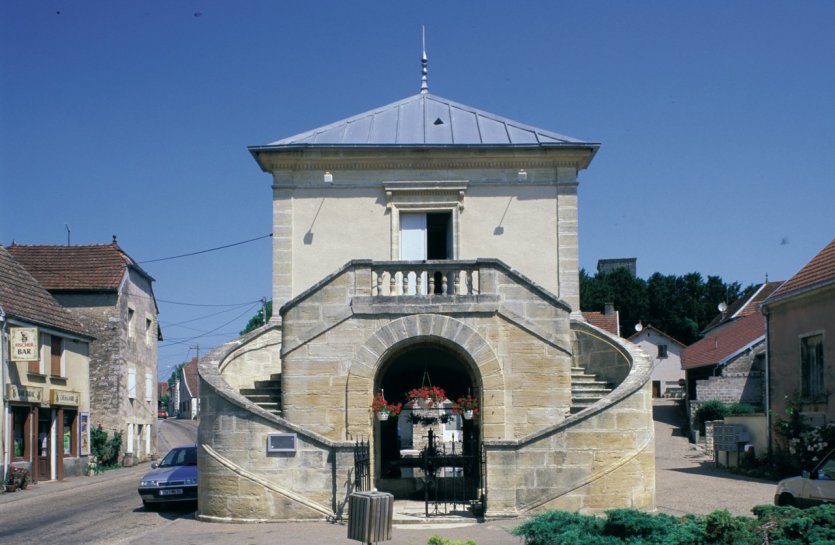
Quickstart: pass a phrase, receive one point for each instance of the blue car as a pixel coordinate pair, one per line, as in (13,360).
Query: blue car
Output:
(173,481)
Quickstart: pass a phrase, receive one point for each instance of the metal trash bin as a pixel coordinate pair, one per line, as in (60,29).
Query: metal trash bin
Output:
(369,516)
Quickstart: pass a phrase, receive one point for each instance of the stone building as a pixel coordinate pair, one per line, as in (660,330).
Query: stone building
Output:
(44,356)
(800,319)
(187,385)
(113,298)
(424,242)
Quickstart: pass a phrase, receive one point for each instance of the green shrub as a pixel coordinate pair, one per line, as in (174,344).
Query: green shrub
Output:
(106,450)
(742,408)
(438,540)
(722,527)
(710,410)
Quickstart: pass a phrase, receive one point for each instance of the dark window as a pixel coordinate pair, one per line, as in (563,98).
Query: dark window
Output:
(439,235)
(20,432)
(811,366)
(662,350)
(70,433)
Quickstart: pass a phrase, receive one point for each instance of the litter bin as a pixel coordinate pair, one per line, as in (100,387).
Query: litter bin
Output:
(369,516)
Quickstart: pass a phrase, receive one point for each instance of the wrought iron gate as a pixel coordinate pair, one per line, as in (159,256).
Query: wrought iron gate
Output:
(454,480)
(362,466)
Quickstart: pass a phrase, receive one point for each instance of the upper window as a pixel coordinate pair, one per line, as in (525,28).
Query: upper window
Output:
(811,366)
(662,350)
(149,328)
(57,357)
(131,383)
(131,315)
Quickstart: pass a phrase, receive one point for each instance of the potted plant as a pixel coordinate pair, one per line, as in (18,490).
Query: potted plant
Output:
(467,406)
(17,477)
(425,397)
(383,409)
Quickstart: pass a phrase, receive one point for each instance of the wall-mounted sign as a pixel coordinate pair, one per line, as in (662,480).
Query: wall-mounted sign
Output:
(24,394)
(281,442)
(64,397)
(24,344)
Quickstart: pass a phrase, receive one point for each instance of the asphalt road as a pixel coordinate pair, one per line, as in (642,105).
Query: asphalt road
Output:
(106,509)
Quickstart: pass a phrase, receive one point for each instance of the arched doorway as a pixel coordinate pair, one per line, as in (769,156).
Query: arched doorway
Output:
(402,443)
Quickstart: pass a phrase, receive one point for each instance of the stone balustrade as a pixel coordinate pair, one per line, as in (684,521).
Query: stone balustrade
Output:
(422,278)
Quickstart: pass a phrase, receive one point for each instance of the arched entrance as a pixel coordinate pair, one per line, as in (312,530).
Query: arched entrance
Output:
(406,444)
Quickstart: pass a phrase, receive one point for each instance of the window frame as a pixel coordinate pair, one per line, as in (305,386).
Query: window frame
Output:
(812,369)
(131,382)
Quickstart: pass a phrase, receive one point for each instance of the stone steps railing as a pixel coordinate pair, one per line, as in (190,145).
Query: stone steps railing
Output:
(424,278)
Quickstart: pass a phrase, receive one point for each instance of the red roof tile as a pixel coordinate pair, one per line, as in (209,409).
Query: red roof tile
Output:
(817,272)
(606,322)
(726,341)
(744,305)
(23,298)
(89,267)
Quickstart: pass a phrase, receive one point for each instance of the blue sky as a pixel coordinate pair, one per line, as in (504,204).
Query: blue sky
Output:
(133,118)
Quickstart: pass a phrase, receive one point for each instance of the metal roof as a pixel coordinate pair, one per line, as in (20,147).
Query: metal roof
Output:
(428,120)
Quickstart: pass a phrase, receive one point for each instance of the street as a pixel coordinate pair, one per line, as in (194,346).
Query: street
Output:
(106,509)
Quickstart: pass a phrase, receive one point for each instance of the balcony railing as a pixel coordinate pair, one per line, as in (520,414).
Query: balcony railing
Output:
(424,278)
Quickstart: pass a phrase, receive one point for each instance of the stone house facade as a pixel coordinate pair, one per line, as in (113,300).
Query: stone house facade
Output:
(800,318)
(187,385)
(44,423)
(424,240)
(665,351)
(105,290)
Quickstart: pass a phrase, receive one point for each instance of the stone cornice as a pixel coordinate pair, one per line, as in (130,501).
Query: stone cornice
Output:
(384,158)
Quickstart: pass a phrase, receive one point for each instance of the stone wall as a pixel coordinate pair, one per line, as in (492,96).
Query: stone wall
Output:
(740,381)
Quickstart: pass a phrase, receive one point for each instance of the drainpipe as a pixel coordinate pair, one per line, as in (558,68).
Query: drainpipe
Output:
(4,414)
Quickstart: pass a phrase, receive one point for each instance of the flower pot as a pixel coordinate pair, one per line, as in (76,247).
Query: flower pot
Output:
(382,417)
(415,405)
(11,487)
(468,415)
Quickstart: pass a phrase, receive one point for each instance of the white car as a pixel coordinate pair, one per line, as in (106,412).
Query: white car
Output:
(811,488)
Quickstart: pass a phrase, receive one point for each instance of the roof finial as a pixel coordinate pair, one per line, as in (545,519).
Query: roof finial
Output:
(424,85)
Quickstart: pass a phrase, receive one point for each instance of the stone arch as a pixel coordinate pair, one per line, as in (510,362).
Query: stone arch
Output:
(420,328)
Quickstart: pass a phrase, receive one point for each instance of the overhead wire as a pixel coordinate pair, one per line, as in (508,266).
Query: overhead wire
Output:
(204,251)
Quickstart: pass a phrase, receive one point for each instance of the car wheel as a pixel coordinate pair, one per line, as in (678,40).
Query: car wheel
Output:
(785,499)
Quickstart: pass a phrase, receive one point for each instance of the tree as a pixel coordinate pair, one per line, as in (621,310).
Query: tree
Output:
(258,320)
(681,306)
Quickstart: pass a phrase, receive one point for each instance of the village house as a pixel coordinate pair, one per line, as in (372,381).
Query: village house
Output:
(425,246)
(187,386)
(44,354)
(800,324)
(106,291)
(665,352)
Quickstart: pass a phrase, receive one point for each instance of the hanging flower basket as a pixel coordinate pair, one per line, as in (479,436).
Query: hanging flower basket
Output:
(425,397)
(467,407)
(383,409)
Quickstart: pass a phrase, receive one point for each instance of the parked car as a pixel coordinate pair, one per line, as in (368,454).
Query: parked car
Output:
(162,414)
(811,488)
(173,481)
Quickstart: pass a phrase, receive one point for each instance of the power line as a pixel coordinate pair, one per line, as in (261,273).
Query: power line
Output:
(205,251)
(206,305)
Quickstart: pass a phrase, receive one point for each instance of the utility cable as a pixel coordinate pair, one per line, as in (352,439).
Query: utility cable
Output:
(204,251)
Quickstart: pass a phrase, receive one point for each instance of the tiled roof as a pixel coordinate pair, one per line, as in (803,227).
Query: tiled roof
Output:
(162,389)
(427,120)
(23,298)
(744,305)
(726,341)
(647,328)
(191,378)
(90,267)
(606,322)
(818,272)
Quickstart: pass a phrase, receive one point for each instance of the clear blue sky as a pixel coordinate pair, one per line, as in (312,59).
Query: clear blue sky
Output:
(717,124)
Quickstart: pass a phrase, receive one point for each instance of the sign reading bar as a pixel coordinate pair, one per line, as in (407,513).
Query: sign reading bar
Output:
(24,394)
(64,397)
(24,344)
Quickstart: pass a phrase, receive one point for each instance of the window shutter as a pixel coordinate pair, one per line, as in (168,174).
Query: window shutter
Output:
(132,383)
(149,387)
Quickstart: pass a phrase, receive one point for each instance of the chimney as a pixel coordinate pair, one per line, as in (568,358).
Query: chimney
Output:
(608,309)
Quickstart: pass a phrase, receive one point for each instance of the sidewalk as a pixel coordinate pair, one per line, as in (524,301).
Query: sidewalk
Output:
(44,488)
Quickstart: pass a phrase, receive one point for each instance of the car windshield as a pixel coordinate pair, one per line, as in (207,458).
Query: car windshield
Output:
(182,456)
